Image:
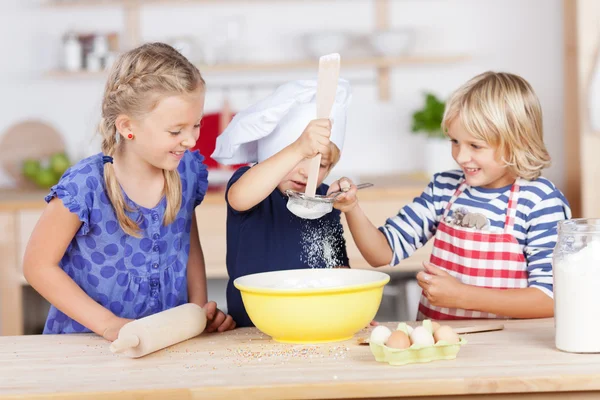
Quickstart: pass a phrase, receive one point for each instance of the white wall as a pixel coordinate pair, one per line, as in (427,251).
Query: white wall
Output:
(523,37)
(520,36)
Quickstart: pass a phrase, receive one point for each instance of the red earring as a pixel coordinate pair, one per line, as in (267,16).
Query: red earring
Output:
(130,136)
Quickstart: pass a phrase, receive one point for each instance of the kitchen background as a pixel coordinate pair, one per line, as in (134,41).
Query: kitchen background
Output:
(433,46)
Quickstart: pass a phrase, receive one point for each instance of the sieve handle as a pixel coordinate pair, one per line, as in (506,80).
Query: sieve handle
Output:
(358,187)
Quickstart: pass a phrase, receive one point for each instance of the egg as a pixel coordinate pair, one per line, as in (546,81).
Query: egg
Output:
(420,336)
(380,335)
(398,340)
(446,334)
(435,325)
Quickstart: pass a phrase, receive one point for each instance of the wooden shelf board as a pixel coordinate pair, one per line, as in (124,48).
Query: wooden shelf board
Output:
(379,62)
(351,62)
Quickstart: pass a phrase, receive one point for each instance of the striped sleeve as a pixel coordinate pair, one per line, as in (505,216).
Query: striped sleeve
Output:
(413,226)
(541,239)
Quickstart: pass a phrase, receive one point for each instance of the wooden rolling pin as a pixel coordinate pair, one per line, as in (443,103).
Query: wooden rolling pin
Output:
(160,330)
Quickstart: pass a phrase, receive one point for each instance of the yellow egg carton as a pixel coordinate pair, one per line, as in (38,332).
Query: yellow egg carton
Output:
(441,350)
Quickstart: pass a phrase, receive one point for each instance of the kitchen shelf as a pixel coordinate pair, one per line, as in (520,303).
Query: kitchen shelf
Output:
(379,62)
(383,65)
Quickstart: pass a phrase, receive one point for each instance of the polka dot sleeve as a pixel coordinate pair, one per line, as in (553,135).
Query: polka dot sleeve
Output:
(76,190)
(200,176)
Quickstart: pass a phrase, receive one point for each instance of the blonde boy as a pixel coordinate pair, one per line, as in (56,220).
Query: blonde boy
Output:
(493,221)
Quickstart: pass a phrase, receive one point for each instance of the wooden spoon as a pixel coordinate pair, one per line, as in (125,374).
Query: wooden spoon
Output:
(327,81)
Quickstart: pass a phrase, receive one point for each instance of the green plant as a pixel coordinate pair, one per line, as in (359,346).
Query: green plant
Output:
(429,118)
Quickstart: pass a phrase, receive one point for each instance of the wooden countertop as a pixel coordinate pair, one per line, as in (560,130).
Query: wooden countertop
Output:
(245,364)
(386,186)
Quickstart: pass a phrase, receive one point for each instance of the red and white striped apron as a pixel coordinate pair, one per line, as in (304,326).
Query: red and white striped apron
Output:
(480,258)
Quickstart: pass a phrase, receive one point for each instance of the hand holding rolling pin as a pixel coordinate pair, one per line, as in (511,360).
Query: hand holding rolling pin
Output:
(166,328)
(111,332)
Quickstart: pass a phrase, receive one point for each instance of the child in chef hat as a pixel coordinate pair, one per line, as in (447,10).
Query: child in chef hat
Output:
(118,239)
(281,135)
(493,220)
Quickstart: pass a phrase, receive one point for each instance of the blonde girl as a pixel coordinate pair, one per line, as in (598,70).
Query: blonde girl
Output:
(118,239)
(493,221)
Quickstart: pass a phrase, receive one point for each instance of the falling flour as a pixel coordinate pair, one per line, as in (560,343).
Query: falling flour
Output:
(322,244)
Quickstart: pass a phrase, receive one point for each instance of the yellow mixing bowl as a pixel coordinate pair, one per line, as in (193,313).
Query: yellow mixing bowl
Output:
(312,305)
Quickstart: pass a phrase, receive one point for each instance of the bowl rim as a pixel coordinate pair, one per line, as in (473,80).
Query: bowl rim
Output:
(384,279)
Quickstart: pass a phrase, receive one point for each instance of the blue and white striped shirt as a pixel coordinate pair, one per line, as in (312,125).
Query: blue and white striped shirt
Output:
(540,206)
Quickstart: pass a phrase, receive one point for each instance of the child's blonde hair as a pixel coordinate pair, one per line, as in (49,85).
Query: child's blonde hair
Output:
(502,110)
(137,82)
(335,155)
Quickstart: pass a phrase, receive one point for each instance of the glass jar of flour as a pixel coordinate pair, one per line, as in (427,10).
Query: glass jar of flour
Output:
(576,268)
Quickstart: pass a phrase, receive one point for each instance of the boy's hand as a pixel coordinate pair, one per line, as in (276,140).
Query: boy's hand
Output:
(440,288)
(111,332)
(315,138)
(346,201)
(217,320)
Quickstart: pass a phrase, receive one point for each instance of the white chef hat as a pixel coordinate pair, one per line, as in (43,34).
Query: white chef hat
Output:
(275,122)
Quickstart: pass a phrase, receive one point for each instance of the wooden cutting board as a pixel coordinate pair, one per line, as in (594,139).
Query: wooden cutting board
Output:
(27,139)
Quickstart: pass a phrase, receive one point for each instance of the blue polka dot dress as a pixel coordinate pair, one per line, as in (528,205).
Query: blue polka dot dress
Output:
(132,277)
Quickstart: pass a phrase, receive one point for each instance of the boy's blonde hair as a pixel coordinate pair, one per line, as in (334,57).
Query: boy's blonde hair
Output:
(335,155)
(137,82)
(502,110)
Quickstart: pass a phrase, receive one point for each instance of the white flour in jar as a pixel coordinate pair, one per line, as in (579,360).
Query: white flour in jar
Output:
(576,300)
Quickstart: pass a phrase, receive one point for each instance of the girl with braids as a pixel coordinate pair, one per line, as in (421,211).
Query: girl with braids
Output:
(118,239)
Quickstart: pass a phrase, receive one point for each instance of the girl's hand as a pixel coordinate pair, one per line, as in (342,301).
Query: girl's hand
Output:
(440,288)
(314,139)
(111,332)
(346,201)
(217,320)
